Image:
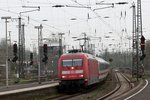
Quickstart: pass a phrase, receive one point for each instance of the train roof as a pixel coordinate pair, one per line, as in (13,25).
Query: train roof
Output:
(101,60)
(89,56)
(80,53)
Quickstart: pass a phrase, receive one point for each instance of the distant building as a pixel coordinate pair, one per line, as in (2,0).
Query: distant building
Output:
(53,56)
(50,68)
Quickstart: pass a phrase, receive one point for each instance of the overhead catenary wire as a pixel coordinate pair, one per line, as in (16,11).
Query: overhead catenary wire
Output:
(82,5)
(99,17)
(108,25)
(31,19)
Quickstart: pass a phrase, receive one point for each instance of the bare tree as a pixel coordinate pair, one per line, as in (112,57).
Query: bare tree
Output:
(2,51)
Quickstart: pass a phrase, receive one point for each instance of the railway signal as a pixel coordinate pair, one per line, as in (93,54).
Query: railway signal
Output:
(31,58)
(45,59)
(15,53)
(45,48)
(142,57)
(45,53)
(142,47)
(15,59)
(15,48)
(142,43)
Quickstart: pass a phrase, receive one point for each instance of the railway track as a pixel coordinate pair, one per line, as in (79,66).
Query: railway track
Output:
(63,97)
(73,94)
(68,96)
(81,93)
(123,85)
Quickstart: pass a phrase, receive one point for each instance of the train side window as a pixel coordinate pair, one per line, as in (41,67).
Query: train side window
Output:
(106,66)
(99,66)
(102,66)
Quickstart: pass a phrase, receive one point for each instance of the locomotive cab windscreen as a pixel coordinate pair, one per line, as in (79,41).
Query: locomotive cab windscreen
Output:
(72,63)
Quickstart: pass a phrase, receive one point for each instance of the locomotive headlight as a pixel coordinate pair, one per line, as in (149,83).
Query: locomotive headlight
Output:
(72,67)
(81,75)
(63,76)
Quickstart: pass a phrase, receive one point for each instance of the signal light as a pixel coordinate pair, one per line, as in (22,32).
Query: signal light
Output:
(15,53)
(15,49)
(45,59)
(142,43)
(31,63)
(45,53)
(142,47)
(110,59)
(142,57)
(15,59)
(31,56)
(45,48)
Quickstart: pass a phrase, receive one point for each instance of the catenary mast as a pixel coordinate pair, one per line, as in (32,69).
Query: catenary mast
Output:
(138,50)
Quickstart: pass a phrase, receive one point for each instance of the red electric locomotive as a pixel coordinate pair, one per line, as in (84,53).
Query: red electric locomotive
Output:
(81,69)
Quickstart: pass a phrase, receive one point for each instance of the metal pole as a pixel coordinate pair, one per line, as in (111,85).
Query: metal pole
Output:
(23,42)
(6,18)
(84,41)
(39,63)
(39,54)
(23,49)
(139,34)
(40,44)
(20,53)
(60,44)
(6,56)
(134,40)
(40,35)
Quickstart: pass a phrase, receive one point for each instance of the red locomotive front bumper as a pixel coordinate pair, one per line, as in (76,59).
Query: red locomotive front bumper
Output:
(72,77)
(71,74)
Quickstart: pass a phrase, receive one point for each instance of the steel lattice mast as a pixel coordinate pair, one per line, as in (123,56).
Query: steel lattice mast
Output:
(134,46)
(137,35)
(139,19)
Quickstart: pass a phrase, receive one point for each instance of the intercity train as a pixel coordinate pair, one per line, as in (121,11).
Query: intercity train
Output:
(81,69)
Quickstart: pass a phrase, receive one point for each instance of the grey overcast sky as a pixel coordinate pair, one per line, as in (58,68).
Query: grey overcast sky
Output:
(111,21)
